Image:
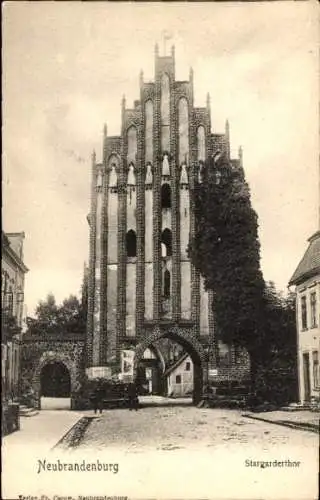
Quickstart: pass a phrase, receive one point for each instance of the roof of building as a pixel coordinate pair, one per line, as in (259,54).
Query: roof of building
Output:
(176,364)
(310,262)
(12,250)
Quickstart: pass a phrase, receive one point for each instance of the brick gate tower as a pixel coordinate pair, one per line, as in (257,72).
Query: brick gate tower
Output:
(142,285)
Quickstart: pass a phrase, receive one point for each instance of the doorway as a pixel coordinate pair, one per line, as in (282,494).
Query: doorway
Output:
(306,376)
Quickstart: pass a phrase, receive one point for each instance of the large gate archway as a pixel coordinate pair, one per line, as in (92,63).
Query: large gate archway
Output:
(190,343)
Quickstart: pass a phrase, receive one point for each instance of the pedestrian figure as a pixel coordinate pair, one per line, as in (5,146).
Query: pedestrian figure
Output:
(133,396)
(97,399)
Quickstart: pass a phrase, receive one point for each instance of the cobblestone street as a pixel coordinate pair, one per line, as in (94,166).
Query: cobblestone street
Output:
(186,427)
(165,452)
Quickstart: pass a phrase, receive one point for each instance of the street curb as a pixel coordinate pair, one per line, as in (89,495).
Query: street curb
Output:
(291,425)
(74,435)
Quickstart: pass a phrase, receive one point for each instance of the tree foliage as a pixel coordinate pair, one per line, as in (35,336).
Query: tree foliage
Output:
(280,323)
(51,317)
(277,380)
(226,251)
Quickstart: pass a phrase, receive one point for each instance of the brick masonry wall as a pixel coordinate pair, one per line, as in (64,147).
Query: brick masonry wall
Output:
(91,276)
(236,369)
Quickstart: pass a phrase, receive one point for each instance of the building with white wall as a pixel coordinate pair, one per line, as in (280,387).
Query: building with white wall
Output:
(179,377)
(306,279)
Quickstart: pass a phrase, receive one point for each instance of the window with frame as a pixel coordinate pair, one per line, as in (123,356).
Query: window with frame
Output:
(304,322)
(315,365)
(166,238)
(165,196)
(178,379)
(167,285)
(313,307)
(188,366)
(131,243)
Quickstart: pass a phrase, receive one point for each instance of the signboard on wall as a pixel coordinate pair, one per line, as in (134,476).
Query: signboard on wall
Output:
(127,357)
(213,372)
(98,372)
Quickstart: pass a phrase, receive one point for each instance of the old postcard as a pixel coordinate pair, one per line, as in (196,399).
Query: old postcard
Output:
(160,250)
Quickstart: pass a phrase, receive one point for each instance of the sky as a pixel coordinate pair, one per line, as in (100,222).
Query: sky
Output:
(66,66)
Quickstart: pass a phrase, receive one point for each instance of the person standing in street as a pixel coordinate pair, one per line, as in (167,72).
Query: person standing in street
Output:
(97,399)
(133,397)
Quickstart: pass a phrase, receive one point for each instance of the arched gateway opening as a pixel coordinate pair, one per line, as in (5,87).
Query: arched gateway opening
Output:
(55,386)
(191,346)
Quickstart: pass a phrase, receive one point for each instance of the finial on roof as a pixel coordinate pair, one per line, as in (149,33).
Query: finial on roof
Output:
(208,100)
(191,74)
(173,50)
(141,76)
(105,130)
(123,102)
(227,127)
(93,156)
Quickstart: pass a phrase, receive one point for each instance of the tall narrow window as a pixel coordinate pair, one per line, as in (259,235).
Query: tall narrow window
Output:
(163,250)
(165,112)
(149,131)
(165,196)
(10,302)
(183,131)
(304,323)
(316,375)
(313,307)
(166,239)
(131,243)
(113,166)
(167,283)
(132,145)
(201,144)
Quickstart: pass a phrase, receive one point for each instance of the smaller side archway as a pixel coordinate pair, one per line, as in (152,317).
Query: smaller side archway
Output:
(55,380)
(58,363)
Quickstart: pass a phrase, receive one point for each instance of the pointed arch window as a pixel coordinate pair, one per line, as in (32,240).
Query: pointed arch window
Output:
(165,196)
(131,243)
(113,166)
(167,284)
(166,239)
(131,176)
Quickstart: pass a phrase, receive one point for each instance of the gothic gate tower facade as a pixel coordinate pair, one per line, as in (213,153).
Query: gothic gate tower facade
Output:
(142,285)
